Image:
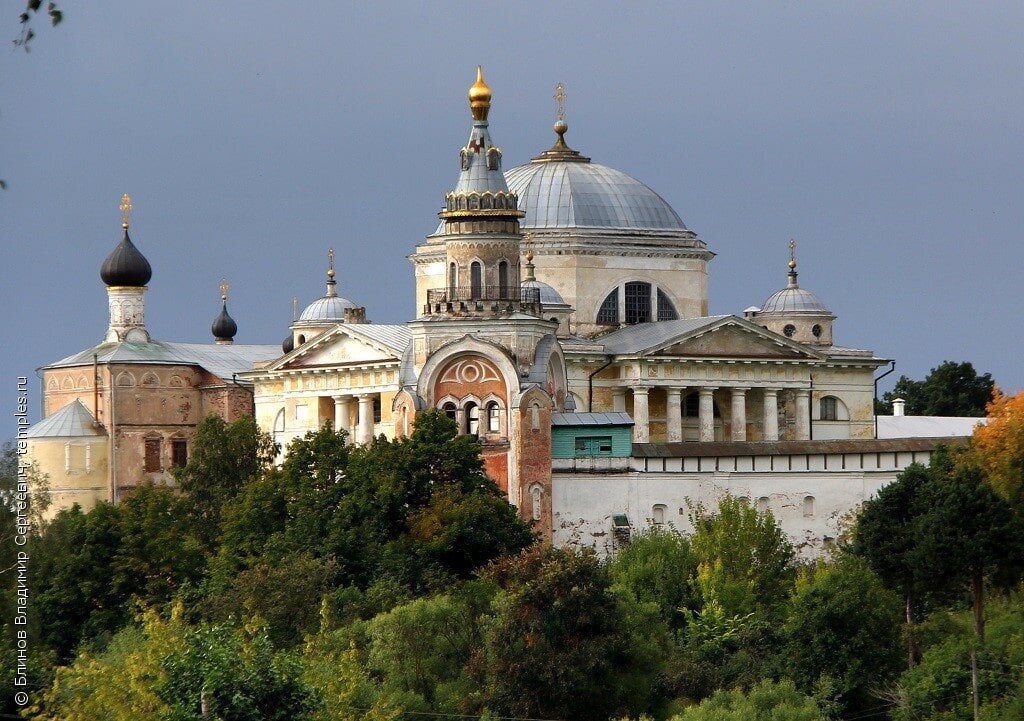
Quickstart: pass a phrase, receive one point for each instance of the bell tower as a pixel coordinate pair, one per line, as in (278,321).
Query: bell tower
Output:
(481,230)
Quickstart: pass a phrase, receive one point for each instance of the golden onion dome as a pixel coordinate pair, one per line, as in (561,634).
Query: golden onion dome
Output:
(479,96)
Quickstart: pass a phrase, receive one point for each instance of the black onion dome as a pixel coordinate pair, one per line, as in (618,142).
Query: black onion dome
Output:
(126,265)
(224,326)
(289,344)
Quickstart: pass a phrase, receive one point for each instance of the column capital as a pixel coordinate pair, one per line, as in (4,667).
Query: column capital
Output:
(675,390)
(802,392)
(641,390)
(771,391)
(366,396)
(707,390)
(739,389)
(341,397)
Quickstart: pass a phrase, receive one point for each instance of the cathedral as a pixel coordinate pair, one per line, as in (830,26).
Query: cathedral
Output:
(562,318)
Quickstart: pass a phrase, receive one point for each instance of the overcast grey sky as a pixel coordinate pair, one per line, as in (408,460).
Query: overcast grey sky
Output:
(885,137)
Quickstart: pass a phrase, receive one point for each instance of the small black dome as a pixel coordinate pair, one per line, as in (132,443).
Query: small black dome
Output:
(224,326)
(289,344)
(126,265)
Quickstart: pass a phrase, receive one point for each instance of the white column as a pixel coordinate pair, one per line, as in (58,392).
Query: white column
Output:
(365,433)
(622,304)
(771,414)
(706,412)
(674,413)
(739,414)
(618,399)
(341,419)
(803,415)
(641,418)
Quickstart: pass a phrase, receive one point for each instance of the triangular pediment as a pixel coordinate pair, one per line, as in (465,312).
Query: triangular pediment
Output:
(337,347)
(735,338)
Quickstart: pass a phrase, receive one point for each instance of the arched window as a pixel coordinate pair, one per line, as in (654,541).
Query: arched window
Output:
(486,202)
(536,494)
(535,417)
(493,417)
(476,280)
(829,409)
(666,311)
(638,302)
(658,514)
(503,279)
(609,311)
(762,504)
(808,506)
(453,279)
(472,419)
(450,410)
(474,202)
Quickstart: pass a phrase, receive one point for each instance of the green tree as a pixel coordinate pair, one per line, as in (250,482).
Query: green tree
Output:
(560,645)
(658,566)
(885,535)
(225,456)
(70,575)
(843,634)
(157,552)
(233,674)
(965,533)
(949,389)
(746,559)
(421,651)
(767,701)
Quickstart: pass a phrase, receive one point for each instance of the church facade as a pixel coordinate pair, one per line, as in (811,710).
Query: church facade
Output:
(561,307)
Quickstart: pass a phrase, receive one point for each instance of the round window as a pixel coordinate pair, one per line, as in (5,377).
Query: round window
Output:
(789,331)
(816,330)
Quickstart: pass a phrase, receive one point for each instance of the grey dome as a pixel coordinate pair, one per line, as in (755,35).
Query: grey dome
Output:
(224,326)
(793,300)
(574,194)
(548,295)
(126,265)
(329,309)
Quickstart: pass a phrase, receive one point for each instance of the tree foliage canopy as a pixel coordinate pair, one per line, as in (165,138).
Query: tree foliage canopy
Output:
(949,389)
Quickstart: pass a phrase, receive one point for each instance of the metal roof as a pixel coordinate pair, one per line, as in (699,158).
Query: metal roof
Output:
(329,309)
(221,360)
(393,337)
(591,419)
(636,338)
(793,300)
(587,195)
(72,421)
(475,176)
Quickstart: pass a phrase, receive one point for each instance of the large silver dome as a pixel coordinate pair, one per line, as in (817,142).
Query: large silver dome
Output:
(574,194)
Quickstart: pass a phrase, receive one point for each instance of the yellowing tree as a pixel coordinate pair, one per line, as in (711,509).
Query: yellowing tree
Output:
(998,447)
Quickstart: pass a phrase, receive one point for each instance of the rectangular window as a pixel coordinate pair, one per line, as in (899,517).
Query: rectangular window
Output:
(179,452)
(829,409)
(152,455)
(301,412)
(493,418)
(592,446)
(638,302)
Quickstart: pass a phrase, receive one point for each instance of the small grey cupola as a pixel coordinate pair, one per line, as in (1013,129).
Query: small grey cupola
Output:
(126,272)
(224,327)
(795,312)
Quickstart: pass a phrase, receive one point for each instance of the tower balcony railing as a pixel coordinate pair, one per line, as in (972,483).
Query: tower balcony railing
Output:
(486,300)
(486,293)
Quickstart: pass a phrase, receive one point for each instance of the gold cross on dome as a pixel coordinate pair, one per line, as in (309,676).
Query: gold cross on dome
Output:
(792,249)
(528,241)
(560,99)
(126,209)
(224,289)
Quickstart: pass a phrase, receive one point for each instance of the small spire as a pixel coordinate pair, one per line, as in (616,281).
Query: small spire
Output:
(224,287)
(479,96)
(530,275)
(126,210)
(332,284)
(295,308)
(560,150)
(792,263)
